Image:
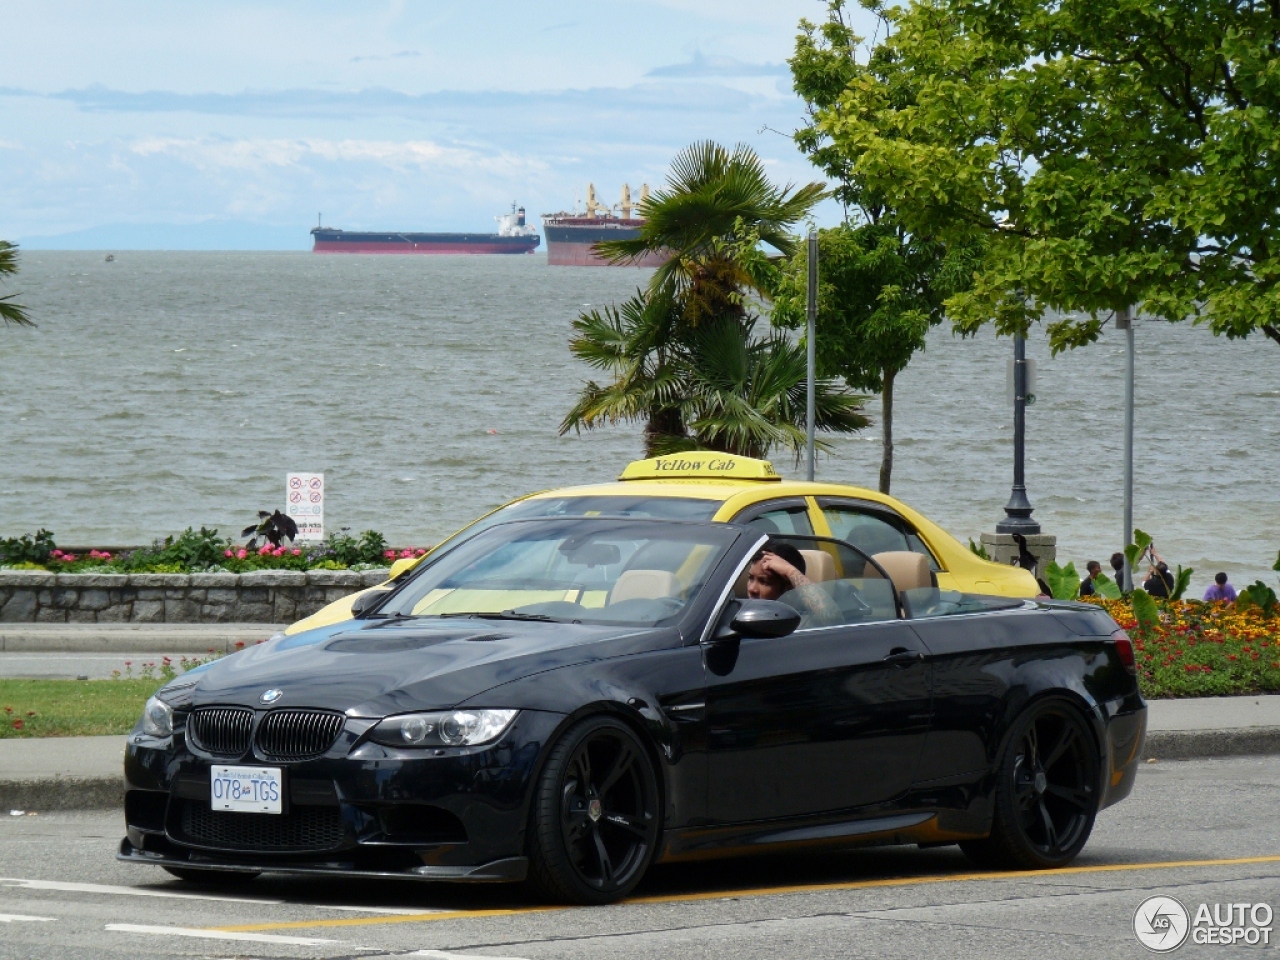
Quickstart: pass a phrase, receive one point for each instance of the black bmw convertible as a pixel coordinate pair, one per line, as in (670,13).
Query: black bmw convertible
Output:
(567,701)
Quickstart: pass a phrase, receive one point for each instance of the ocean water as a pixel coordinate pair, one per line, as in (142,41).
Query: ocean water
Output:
(166,390)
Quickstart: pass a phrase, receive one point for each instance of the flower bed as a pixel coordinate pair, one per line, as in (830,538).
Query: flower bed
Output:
(203,551)
(1202,649)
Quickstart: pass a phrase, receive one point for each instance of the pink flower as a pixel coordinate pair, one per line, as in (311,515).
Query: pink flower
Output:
(242,553)
(297,552)
(228,553)
(55,553)
(406,553)
(389,554)
(104,555)
(264,549)
(278,552)
(68,558)
(420,552)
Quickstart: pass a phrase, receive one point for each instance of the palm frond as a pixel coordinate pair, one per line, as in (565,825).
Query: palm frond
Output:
(11,312)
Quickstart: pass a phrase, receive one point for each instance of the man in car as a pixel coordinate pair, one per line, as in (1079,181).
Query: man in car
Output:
(777,572)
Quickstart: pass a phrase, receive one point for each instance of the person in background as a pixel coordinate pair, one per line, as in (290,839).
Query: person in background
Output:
(1117,564)
(1221,590)
(1093,567)
(1159,579)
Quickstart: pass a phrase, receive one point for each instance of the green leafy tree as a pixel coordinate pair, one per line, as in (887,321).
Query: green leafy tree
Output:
(881,286)
(11,312)
(1103,154)
(879,291)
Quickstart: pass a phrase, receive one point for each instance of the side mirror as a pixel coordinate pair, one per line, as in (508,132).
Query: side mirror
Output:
(367,600)
(760,618)
(403,565)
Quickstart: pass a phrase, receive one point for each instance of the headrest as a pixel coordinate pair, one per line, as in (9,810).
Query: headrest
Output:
(644,585)
(907,570)
(818,565)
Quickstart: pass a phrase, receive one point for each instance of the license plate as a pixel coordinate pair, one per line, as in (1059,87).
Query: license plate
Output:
(246,789)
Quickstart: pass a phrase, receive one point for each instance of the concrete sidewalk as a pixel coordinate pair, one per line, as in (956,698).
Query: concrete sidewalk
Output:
(71,773)
(131,637)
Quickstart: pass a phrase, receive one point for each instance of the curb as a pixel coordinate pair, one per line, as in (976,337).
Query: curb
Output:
(61,793)
(107,793)
(1201,744)
(126,639)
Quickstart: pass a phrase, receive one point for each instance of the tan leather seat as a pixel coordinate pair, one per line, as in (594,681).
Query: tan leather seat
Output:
(819,566)
(644,585)
(906,570)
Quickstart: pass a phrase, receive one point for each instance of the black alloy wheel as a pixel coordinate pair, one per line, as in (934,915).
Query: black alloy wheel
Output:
(1047,792)
(594,822)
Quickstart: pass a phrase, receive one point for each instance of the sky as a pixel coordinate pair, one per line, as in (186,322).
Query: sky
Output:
(234,125)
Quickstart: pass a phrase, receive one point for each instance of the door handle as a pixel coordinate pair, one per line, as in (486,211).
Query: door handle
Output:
(903,656)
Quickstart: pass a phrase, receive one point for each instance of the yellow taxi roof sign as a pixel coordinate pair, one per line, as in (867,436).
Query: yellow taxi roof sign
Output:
(700,465)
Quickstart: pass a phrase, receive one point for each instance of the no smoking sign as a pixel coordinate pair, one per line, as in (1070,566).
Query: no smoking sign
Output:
(304,496)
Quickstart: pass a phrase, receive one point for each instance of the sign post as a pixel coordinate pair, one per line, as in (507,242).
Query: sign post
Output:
(304,496)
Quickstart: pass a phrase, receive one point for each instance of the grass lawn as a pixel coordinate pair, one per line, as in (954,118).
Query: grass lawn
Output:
(72,708)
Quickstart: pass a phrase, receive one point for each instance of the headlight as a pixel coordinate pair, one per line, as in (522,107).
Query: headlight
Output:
(157,718)
(456,728)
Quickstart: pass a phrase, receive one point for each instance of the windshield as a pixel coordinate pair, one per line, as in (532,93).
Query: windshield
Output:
(588,569)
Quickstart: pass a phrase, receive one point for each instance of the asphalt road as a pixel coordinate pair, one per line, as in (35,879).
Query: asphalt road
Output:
(1202,831)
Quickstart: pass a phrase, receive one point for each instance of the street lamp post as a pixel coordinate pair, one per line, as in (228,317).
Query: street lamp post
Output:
(1018,510)
(1124,321)
(810,338)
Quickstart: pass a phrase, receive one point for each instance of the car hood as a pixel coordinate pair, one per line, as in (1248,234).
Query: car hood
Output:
(372,668)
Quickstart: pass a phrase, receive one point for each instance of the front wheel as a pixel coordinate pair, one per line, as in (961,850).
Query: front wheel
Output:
(1046,793)
(595,814)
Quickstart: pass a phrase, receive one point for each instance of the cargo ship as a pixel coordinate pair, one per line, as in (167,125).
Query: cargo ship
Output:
(572,237)
(513,236)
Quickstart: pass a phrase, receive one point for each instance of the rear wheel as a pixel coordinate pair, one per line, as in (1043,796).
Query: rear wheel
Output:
(594,822)
(213,878)
(1046,793)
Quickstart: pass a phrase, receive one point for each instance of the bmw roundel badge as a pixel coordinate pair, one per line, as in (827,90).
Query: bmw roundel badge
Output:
(272,695)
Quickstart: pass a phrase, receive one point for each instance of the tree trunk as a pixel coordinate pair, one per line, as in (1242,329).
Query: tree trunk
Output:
(886,421)
(664,429)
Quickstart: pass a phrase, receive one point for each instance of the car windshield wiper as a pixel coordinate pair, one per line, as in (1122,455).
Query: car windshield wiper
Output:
(504,615)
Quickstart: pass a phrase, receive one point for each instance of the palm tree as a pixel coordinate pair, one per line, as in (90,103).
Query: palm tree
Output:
(747,393)
(713,196)
(634,344)
(11,312)
(681,355)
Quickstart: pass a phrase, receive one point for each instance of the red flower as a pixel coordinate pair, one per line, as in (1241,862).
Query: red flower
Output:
(17,724)
(239,644)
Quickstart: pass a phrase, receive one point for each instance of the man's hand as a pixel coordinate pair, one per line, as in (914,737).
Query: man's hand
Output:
(775,565)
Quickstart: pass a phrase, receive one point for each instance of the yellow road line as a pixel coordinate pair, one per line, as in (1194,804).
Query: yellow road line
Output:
(759,892)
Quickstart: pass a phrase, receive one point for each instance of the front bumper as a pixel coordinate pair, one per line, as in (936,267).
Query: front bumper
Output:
(364,810)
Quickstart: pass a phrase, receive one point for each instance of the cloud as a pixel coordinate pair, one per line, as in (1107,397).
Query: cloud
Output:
(216,153)
(704,66)
(662,98)
(378,58)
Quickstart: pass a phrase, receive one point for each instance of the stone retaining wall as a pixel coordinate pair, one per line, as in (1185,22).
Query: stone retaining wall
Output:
(263,596)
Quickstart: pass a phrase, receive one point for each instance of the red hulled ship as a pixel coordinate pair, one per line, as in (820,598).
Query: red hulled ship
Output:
(572,237)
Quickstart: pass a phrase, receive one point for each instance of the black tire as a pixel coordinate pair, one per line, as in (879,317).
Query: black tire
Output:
(1046,792)
(594,819)
(213,878)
